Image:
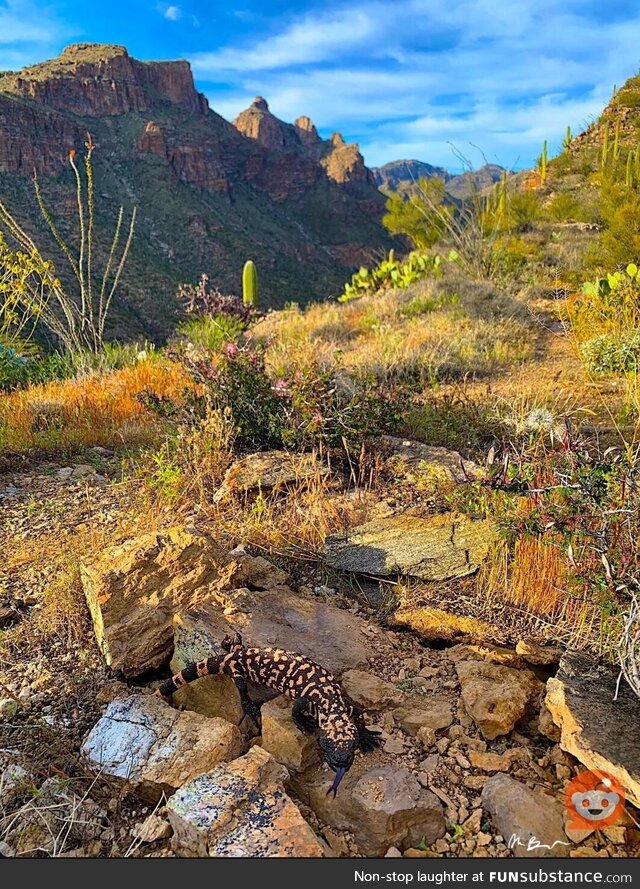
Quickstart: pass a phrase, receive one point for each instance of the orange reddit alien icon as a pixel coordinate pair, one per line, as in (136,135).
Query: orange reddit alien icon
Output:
(594,799)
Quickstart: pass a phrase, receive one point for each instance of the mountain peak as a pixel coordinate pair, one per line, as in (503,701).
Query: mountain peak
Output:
(103,80)
(260,104)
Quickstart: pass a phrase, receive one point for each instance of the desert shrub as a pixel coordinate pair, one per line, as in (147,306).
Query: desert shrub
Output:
(421,216)
(609,354)
(76,316)
(620,211)
(628,98)
(201,301)
(565,207)
(424,303)
(19,369)
(212,331)
(523,211)
(312,406)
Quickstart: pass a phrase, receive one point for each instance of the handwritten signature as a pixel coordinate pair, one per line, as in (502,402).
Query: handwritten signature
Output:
(533,843)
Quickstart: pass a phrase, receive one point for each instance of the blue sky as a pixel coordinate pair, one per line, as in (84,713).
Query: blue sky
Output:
(404,78)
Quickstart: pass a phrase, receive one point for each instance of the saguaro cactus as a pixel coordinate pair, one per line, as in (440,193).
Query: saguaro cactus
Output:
(567,140)
(616,141)
(605,146)
(250,284)
(543,161)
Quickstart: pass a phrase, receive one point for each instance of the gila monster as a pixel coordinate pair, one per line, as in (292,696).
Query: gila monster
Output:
(319,701)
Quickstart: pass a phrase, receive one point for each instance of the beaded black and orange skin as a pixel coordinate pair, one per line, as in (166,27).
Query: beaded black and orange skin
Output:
(319,702)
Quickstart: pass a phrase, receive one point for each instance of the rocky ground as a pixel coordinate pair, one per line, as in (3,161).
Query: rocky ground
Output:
(479,741)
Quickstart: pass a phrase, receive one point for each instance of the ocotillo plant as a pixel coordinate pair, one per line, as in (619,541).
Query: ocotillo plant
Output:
(567,140)
(250,284)
(543,162)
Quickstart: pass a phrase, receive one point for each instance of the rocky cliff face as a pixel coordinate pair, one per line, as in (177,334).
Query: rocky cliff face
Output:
(92,80)
(210,193)
(307,155)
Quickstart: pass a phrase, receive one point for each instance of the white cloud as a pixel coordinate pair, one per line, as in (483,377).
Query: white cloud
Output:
(406,77)
(172,13)
(306,40)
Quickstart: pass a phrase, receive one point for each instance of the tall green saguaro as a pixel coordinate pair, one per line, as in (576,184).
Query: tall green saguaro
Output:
(250,284)
(543,161)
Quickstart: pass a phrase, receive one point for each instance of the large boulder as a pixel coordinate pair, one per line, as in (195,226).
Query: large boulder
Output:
(241,810)
(382,806)
(155,749)
(439,547)
(134,589)
(596,726)
(530,821)
(269,471)
(496,697)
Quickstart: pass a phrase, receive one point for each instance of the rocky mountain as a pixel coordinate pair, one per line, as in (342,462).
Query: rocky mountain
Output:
(402,176)
(210,194)
(475,181)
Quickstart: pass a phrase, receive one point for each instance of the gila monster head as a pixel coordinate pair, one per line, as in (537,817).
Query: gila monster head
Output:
(338,740)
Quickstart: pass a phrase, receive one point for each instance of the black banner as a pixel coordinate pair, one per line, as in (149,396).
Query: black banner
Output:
(336,873)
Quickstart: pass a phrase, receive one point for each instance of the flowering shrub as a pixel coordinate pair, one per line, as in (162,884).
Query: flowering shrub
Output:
(306,409)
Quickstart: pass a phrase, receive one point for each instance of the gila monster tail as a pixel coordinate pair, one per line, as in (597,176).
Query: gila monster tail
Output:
(211,666)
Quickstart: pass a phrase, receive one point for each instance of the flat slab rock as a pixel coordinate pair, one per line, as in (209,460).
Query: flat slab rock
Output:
(601,732)
(241,810)
(418,457)
(382,806)
(267,471)
(438,547)
(154,748)
(530,821)
(435,624)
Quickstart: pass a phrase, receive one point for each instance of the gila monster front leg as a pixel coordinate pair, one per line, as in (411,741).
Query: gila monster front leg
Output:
(249,707)
(303,714)
(367,739)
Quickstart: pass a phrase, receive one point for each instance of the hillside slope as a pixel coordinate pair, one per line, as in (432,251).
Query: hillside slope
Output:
(209,194)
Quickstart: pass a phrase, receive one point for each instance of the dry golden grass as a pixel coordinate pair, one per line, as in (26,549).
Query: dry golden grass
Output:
(413,334)
(102,409)
(48,564)
(535,579)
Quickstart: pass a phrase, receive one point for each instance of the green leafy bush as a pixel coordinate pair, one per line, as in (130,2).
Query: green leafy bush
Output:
(25,367)
(608,354)
(423,304)
(211,332)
